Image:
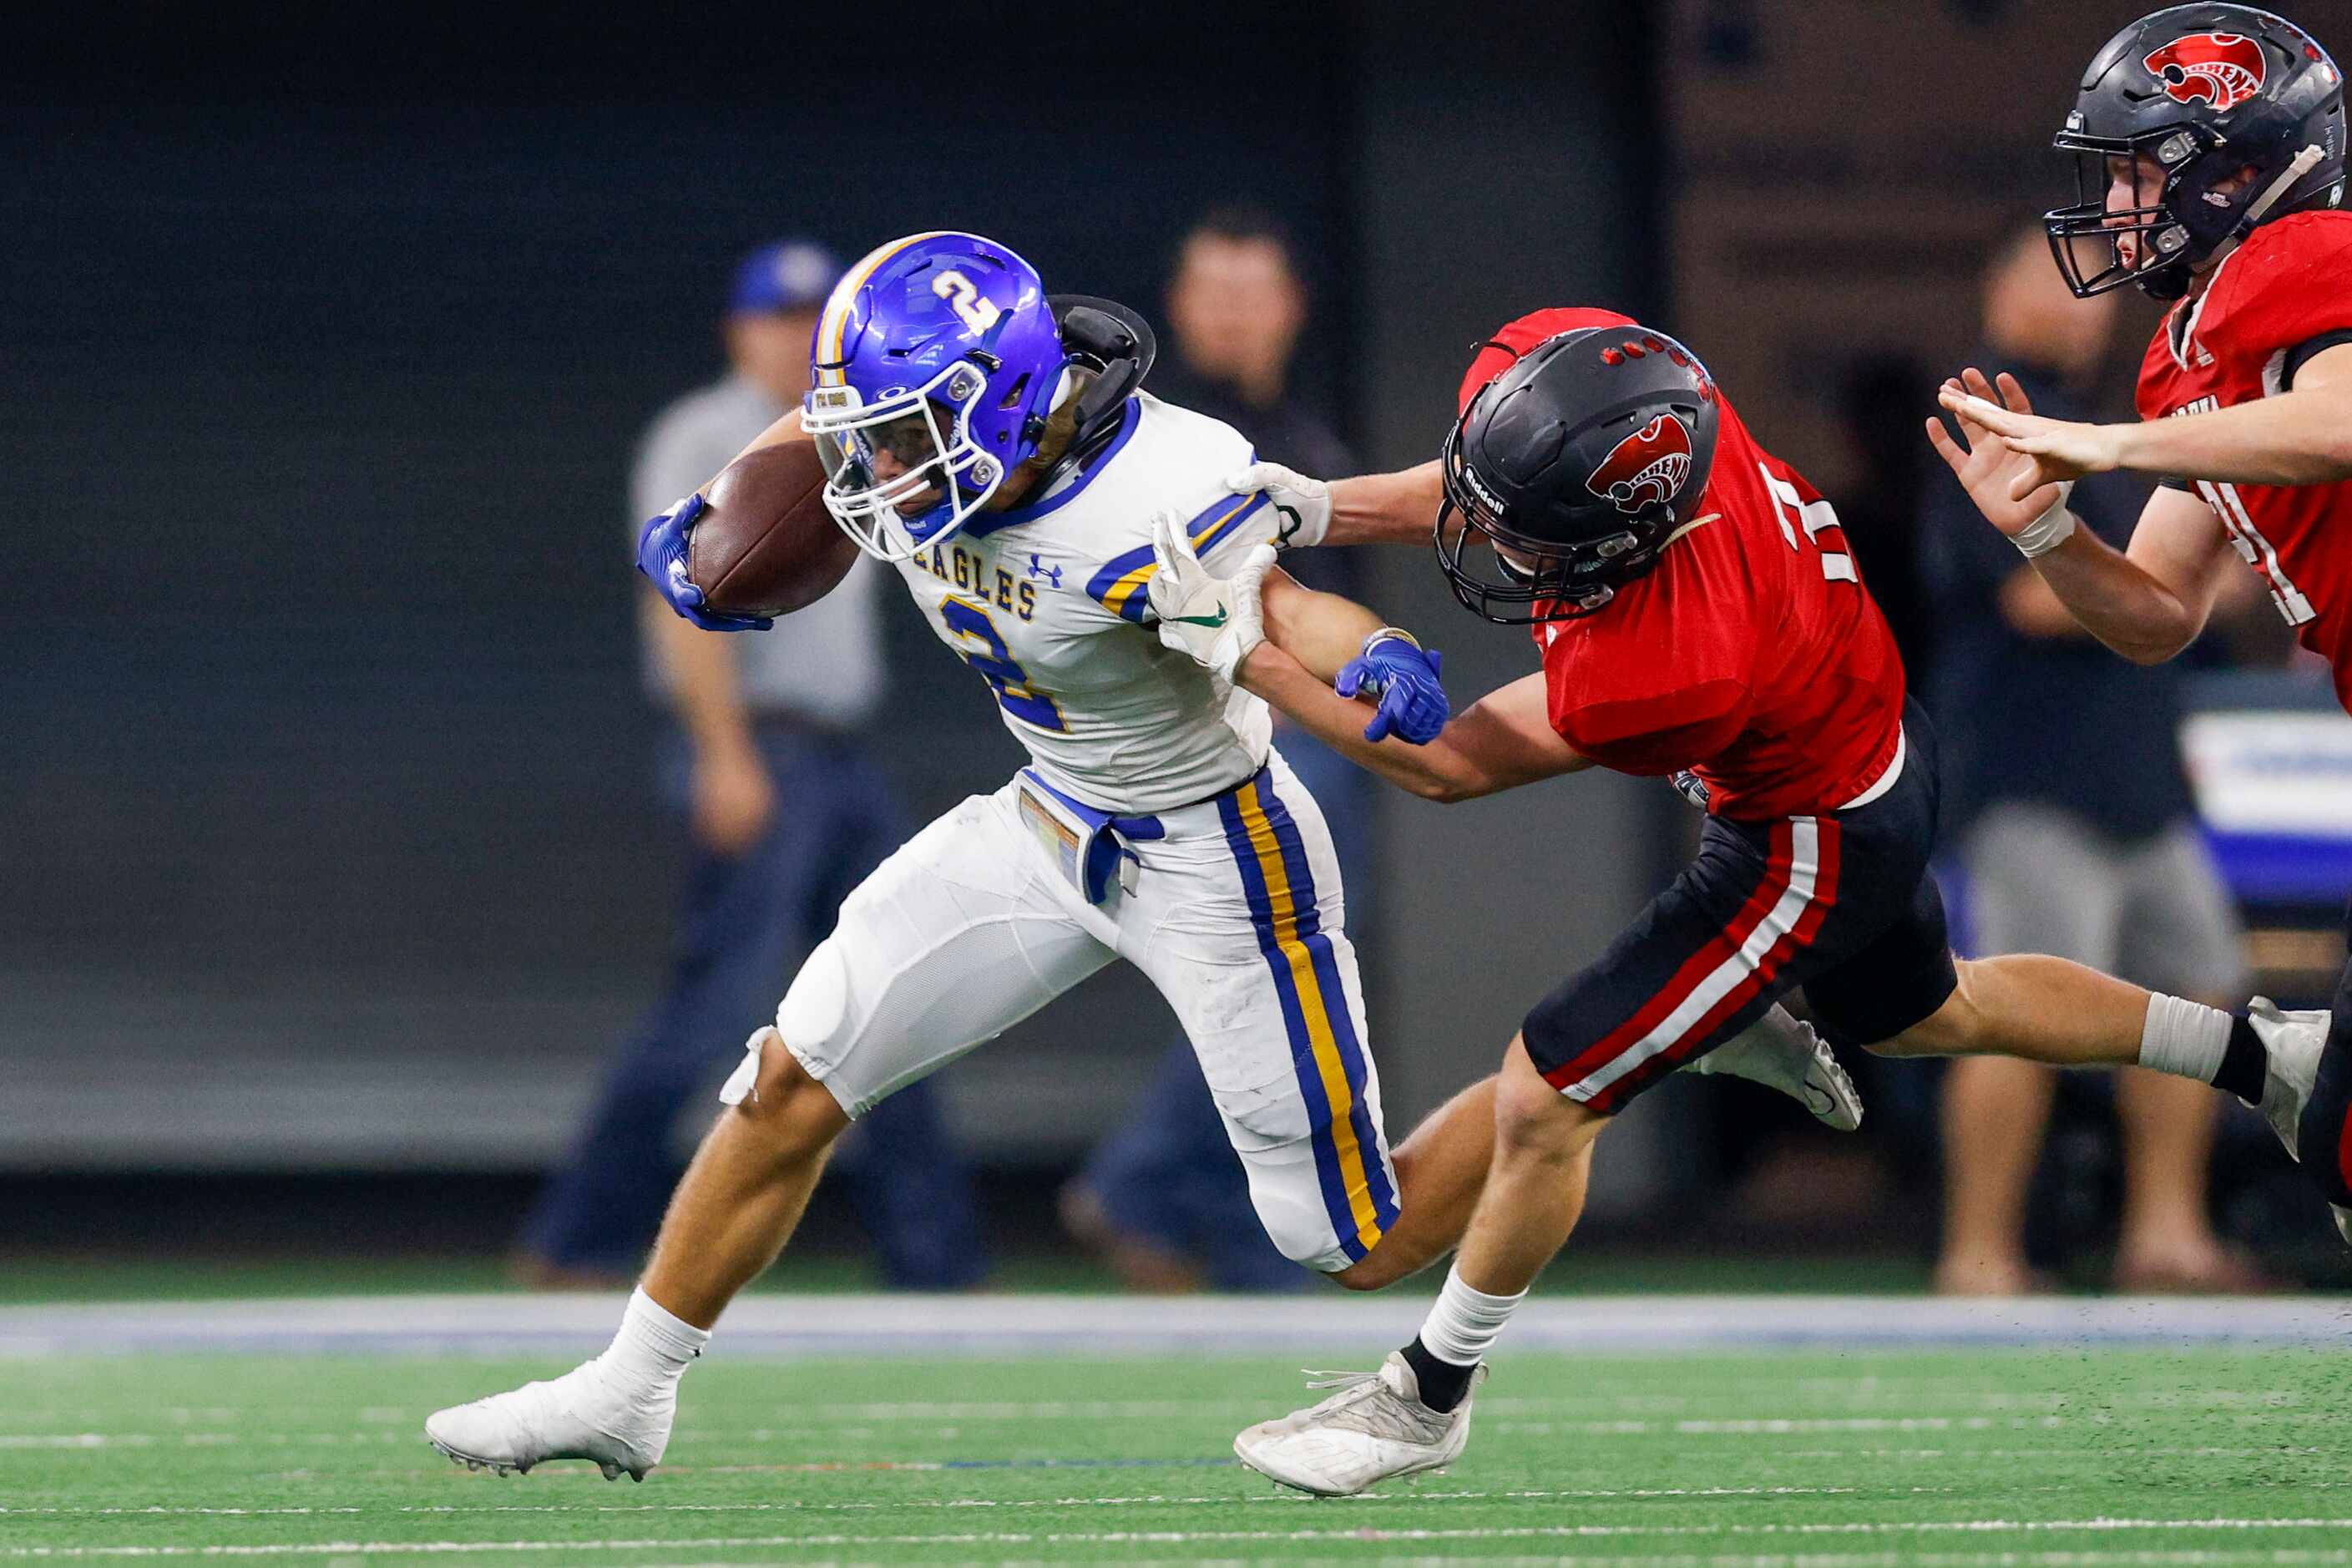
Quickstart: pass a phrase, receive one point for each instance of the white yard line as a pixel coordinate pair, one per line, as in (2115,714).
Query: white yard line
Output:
(1979,1527)
(964,1327)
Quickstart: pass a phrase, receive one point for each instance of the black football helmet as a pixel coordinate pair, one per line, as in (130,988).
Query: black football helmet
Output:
(1572,469)
(2206,91)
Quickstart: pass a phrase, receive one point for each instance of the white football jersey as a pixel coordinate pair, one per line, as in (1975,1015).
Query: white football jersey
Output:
(1048,603)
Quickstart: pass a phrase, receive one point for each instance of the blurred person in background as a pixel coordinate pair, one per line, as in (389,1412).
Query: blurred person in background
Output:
(2071,813)
(1161,1197)
(757,722)
(1877,399)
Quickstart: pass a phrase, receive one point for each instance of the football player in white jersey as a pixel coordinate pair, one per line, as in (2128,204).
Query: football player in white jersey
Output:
(994,446)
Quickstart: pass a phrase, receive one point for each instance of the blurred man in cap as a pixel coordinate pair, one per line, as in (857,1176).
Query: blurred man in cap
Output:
(2066,796)
(759,720)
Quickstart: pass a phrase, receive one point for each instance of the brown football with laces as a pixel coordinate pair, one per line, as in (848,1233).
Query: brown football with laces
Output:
(765,545)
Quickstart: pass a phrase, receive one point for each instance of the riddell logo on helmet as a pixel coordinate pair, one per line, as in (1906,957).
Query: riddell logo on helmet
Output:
(2220,70)
(1646,468)
(1478,487)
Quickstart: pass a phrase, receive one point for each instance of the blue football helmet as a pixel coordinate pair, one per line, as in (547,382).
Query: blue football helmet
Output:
(935,364)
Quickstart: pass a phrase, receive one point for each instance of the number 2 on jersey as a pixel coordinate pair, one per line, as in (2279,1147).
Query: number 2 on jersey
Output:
(996,665)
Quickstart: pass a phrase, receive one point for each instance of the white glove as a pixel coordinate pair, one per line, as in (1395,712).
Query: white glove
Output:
(1302,506)
(1215,621)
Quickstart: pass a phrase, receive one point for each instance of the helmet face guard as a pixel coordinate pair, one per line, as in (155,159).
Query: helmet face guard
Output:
(2086,237)
(912,448)
(1520,580)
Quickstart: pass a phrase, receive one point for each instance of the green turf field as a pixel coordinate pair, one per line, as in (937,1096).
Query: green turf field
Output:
(2075,1460)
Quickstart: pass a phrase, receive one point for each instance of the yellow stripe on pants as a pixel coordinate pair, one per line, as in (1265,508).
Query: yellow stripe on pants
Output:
(1315,1008)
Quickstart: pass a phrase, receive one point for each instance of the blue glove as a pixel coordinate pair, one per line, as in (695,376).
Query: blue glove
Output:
(1405,678)
(661,556)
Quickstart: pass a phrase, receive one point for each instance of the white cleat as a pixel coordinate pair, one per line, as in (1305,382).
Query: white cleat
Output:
(1374,1429)
(1781,1051)
(585,1415)
(2293,1043)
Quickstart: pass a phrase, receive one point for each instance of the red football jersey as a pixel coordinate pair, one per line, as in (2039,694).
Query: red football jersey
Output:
(2289,283)
(1752,654)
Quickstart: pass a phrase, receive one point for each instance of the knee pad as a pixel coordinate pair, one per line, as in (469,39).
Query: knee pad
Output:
(816,1006)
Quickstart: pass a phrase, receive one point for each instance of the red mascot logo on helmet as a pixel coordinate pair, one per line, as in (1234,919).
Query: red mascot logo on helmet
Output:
(1646,468)
(2220,70)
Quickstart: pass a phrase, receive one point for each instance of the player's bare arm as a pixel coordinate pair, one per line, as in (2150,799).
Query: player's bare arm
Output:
(1385,509)
(2146,603)
(1321,631)
(1502,741)
(2299,437)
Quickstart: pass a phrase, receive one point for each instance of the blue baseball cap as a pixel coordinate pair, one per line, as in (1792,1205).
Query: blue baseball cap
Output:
(790,275)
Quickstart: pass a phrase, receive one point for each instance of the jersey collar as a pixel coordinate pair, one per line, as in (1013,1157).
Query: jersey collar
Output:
(2180,331)
(1069,491)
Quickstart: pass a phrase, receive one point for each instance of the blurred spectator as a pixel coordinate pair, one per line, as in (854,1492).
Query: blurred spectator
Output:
(1878,406)
(1162,1197)
(1235,307)
(759,719)
(2066,797)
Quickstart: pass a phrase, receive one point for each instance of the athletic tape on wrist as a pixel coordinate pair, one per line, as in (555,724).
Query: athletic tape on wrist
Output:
(2051,530)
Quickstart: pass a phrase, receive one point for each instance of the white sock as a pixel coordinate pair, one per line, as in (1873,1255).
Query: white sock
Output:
(655,1345)
(2185,1038)
(1464,1324)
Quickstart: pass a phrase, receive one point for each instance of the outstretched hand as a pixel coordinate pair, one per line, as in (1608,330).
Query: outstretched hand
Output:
(2014,458)
(1302,506)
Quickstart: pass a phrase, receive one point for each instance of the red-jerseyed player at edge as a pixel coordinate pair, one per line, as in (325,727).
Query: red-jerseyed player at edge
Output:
(2209,148)
(1697,611)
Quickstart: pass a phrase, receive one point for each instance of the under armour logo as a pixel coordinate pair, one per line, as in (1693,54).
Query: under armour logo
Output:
(1291,524)
(1037,568)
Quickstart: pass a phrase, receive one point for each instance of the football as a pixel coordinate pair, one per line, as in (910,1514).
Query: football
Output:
(766,546)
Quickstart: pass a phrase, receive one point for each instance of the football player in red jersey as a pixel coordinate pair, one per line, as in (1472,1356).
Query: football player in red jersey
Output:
(1697,611)
(2211,148)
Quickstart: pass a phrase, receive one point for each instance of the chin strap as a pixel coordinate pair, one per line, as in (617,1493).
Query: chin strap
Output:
(2305,161)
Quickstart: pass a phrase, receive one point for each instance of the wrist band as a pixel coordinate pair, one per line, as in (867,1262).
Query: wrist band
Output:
(1382,636)
(2051,530)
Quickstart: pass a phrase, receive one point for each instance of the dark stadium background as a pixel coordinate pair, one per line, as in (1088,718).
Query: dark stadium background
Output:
(329,872)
